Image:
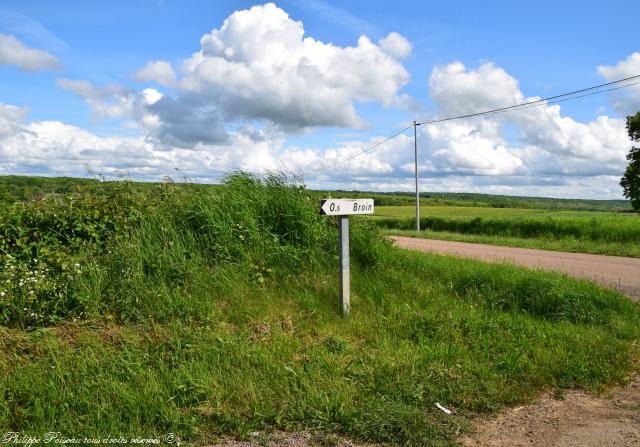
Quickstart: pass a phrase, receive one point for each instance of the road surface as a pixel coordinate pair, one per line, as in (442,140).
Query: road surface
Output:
(617,272)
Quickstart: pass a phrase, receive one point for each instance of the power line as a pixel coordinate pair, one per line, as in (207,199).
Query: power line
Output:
(537,103)
(531,105)
(364,151)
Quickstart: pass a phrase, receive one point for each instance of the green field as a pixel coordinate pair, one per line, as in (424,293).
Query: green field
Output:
(467,211)
(148,309)
(14,188)
(595,232)
(484,201)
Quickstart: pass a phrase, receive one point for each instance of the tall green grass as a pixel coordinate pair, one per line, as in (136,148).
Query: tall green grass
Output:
(263,229)
(217,313)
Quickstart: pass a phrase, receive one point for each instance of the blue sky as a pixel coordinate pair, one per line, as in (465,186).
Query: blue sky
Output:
(88,108)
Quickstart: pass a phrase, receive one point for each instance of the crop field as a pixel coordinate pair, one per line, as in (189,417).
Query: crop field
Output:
(404,199)
(595,232)
(472,212)
(207,312)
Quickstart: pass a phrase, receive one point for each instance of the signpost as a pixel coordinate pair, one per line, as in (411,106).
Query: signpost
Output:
(344,208)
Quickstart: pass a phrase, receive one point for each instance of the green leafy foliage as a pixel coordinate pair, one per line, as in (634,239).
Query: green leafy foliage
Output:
(44,244)
(630,181)
(105,248)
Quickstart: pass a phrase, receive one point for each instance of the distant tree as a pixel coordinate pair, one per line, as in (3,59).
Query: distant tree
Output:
(630,181)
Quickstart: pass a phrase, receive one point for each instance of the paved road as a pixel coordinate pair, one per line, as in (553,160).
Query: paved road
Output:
(612,271)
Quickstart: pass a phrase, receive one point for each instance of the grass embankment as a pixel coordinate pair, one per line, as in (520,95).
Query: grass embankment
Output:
(574,231)
(206,313)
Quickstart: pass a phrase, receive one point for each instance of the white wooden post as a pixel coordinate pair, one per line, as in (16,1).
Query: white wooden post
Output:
(345,291)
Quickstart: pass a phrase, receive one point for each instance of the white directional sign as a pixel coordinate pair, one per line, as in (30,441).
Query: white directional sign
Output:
(346,207)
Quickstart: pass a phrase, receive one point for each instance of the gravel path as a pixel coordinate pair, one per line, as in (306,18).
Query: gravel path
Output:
(611,271)
(577,420)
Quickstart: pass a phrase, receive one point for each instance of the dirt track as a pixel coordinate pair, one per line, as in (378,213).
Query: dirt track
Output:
(578,420)
(611,271)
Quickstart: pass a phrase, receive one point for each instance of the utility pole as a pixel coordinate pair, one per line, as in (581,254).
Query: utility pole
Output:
(415,146)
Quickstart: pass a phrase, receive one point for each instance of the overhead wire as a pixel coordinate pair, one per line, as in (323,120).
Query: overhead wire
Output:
(533,104)
(364,151)
(537,101)
(522,106)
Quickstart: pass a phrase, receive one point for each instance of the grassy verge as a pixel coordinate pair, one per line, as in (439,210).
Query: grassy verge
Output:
(217,313)
(568,244)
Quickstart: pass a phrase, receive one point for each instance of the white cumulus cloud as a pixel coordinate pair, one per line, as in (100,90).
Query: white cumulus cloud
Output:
(458,91)
(396,45)
(627,101)
(158,71)
(259,65)
(11,118)
(56,148)
(106,102)
(465,148)
(14,52)
(543,134)
(257,68)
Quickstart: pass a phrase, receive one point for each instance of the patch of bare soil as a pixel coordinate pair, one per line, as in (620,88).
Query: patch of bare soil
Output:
(296,439)
(579,419)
